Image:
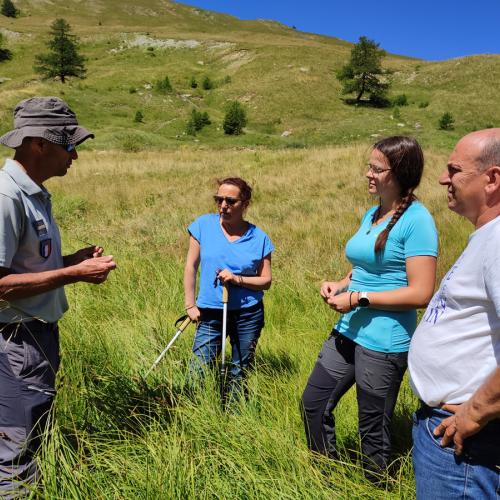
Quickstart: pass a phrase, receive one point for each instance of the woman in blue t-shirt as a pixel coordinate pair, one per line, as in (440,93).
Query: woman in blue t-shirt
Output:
(233,251)
(393,258)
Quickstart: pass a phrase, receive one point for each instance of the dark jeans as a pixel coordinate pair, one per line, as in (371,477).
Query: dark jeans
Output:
(29,360)
(441,475)
(243,328)
(377,375)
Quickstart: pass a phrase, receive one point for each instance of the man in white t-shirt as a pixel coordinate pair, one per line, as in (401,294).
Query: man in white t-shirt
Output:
(454,355)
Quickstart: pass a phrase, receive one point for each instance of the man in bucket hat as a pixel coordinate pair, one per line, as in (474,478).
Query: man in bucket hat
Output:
(33,274)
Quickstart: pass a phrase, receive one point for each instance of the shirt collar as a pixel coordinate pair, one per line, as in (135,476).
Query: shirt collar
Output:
(22,179)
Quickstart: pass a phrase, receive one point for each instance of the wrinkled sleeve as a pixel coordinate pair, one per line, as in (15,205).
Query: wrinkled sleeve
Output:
(421,236)
(10,229)
(194,229)
(268,247)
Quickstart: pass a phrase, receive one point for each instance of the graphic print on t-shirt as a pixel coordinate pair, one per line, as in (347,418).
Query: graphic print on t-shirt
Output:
(437,305)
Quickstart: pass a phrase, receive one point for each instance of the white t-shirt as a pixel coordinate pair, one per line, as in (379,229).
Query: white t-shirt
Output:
(456,346)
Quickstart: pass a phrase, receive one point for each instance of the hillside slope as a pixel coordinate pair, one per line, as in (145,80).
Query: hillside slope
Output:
(285,78)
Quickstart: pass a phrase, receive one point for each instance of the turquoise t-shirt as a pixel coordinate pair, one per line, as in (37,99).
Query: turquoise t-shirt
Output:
(242,256)
(414,234)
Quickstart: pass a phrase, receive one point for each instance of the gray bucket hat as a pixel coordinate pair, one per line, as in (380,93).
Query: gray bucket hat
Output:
(47,117)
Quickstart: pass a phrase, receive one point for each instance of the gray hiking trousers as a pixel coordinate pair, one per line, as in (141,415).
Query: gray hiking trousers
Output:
(29,359)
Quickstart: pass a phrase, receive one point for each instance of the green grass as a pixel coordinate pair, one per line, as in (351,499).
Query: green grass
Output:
(285,78)
(117,435)
(136,188)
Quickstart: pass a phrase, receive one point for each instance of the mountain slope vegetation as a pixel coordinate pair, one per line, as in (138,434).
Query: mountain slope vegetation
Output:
(285,79)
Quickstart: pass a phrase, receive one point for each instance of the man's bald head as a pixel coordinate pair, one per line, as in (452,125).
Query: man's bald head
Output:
(484,145)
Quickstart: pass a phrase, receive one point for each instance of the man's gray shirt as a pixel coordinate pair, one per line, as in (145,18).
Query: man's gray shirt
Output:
(29,243)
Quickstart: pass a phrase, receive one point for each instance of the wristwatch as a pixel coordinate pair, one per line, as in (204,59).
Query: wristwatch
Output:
(363,300)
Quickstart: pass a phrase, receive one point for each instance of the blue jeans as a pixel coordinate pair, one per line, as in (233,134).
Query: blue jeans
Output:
(243,328)
(440,474)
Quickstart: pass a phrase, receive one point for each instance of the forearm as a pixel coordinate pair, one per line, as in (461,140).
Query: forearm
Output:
(254,282)
(189,286)
(485,402)
(400,299)
(20,286)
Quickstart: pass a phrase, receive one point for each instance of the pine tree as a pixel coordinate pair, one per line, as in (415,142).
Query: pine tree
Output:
(363,71)
(63,59)
(9,9)
(235,119)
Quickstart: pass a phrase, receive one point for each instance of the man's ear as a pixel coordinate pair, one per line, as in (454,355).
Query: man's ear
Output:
(493,184)
(37,144)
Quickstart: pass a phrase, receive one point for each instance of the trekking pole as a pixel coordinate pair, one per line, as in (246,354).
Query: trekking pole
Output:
(185,322)
(225,298)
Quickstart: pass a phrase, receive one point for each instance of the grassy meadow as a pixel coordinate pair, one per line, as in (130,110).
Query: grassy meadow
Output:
(117,435)
(137,186)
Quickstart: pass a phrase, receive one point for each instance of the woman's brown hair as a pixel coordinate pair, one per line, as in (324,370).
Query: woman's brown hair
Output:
(243,186)
(406,160)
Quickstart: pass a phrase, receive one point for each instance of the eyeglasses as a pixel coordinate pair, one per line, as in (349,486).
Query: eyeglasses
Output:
(377,170)
(230,201)
(68,147)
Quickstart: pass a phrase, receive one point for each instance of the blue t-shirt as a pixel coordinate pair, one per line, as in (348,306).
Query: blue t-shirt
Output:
(242,256)
(414,234)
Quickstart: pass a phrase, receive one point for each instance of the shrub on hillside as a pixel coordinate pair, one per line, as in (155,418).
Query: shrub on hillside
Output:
(446,121)
(139,117)
(132,143)
(207,84)
(193,83)
(5,54)
(400,100)
(235,119)
(197,121)
(423,104)
(9,9)
(164,86)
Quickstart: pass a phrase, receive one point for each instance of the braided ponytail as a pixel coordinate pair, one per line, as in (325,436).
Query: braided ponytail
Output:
(406,201)
(406,159)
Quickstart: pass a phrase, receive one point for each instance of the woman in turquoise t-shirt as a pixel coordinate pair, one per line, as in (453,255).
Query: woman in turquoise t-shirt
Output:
(393,258)
(235,252)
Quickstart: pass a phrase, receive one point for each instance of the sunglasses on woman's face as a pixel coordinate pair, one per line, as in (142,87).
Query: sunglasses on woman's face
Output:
(230,201)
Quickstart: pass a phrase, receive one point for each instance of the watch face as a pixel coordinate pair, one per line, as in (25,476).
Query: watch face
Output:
(364,302)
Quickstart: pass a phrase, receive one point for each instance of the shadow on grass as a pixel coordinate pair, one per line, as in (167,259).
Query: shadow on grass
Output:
(349,453)
(401,432)
(367,103)
(276,363)
(118,403)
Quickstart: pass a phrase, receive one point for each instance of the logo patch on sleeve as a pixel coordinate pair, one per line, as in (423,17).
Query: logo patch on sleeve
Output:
(46,248)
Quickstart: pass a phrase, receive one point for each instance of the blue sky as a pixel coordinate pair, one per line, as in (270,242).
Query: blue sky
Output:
(432,30)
